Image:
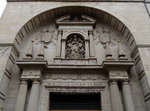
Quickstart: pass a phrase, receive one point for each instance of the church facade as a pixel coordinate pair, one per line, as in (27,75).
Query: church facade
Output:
(75,55)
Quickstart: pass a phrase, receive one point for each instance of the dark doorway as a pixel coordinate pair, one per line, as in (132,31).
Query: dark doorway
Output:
(72,102)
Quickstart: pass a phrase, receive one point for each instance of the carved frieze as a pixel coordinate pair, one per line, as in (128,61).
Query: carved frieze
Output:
(74,76)
(75,90)
(75,87)
(76,62)
(75,84)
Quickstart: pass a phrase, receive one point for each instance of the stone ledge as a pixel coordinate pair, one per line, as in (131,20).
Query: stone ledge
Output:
(76,0)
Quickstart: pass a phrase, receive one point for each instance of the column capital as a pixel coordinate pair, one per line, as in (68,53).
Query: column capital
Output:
(37,81)
(60,32)
(125,82)
(112,81)
(23,82)
(90,32)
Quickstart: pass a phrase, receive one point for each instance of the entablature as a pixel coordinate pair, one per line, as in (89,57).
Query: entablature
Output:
(107,65)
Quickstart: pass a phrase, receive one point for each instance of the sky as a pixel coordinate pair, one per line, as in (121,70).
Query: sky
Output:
(2,6)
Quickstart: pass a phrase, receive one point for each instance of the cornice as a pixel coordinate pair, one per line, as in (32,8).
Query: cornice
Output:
(75,0)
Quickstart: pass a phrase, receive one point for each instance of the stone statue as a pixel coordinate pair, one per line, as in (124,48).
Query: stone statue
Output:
(75,48)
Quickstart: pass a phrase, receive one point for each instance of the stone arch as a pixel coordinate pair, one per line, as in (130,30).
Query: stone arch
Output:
(85,36)
(101,15)
(46,16)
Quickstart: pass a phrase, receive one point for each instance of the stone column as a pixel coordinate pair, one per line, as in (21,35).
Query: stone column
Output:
(58,50)
(21,99)
(92,49)
(34,95)
(63,51)
(86,49)
(115,97)
(128,101)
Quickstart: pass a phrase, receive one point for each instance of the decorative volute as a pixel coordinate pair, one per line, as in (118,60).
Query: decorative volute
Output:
(121,54)
(109,55)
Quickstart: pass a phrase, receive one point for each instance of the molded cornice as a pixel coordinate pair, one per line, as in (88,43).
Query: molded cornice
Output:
(76,0)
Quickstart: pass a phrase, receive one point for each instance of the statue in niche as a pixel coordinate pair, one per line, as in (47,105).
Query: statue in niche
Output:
(48,36)
(75,47)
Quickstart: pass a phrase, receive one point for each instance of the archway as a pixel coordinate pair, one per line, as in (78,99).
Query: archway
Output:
(44,18)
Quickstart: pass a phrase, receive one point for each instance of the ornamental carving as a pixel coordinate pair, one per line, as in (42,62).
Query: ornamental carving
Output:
(70,76)
(47,35)
(75,47)
(103,36)
(76,90)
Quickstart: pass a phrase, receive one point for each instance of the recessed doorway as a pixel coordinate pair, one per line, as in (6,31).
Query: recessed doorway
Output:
(74,102)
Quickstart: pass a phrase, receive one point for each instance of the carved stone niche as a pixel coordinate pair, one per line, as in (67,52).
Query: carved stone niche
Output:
(75,47)
(76,42)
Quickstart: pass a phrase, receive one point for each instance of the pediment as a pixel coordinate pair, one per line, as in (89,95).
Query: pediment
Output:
(75,20)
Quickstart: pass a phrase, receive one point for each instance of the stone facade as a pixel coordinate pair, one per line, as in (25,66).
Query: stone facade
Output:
(75,47)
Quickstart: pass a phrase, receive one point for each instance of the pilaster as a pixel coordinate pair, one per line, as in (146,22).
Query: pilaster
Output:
(58,50)
(92,46)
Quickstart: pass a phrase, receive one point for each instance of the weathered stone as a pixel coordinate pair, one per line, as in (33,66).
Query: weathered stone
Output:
(52,67)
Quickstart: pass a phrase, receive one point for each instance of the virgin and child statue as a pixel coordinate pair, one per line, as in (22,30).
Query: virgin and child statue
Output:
(75,48)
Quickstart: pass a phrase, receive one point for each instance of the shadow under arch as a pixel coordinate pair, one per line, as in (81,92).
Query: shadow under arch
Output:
(55,13)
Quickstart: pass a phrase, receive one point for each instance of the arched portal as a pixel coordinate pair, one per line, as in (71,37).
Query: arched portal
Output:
(99,15)
(75,50)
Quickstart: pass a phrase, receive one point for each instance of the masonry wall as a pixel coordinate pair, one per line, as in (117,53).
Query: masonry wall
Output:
(132,14)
